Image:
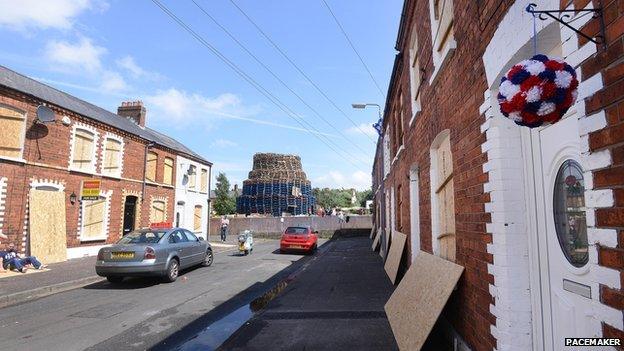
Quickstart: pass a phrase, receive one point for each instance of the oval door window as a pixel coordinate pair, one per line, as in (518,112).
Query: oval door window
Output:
(569,213)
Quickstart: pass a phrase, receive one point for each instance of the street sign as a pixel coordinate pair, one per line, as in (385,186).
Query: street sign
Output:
(90,189)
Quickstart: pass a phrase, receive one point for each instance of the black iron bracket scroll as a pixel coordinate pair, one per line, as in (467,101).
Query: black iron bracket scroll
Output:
(564,17)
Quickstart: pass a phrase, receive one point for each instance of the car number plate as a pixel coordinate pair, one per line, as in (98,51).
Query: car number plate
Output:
(296,246)
(122,255)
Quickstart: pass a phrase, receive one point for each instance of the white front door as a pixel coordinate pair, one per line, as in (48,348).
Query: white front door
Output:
(562,233)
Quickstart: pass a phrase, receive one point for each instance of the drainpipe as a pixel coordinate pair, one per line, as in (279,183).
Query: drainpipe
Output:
(147,146)
(209,184)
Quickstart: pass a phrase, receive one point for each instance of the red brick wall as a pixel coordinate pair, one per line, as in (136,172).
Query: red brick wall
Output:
(46,155)
(609,63)
(452,103)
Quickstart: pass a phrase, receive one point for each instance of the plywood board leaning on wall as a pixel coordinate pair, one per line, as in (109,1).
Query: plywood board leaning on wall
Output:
(47,227)
(373,231)
(376,241)
(419,299)
(394,255)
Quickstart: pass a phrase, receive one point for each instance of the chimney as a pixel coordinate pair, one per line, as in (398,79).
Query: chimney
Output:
(133,110)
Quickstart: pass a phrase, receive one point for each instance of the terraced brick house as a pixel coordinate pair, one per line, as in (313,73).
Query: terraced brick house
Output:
(535,216)
(44,164)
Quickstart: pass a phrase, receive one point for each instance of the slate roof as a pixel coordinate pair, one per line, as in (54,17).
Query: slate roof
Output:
(19,82)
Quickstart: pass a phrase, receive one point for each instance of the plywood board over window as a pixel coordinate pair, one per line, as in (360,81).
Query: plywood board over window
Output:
(83,156)
(168,171)
(192,177)
(112,157)
(158,213)
(417,302)
(93,219)
(12,129)
(197,219)
(204,180)
(445,198)
(150,169)
(47,227)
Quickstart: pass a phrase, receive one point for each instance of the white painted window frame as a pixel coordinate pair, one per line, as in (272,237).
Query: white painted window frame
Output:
(107,195)
(96,137)
(25,114)
(121,154)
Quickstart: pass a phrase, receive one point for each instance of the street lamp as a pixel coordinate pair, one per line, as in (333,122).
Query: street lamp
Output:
(378,126)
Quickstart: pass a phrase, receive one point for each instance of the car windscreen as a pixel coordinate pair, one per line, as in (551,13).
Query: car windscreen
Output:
(142,237)
(296,230)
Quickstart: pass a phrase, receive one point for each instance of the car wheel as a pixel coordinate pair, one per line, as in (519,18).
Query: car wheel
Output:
(208,259)
(114,280)
(246,252)
(172,271)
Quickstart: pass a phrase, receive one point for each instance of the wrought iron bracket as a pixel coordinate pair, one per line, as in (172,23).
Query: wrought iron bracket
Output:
(564,17)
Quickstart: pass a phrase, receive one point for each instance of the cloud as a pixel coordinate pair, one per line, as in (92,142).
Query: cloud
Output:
(83,54)
(58,14)
(335,179)
(363,129)
(113,82)
(223,143)
(129,64)
(182,108)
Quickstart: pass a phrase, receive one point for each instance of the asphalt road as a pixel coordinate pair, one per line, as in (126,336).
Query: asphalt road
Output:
(143,313)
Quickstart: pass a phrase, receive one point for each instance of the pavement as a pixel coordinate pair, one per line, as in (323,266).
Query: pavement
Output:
(144,313)
(335,303)
(58,277)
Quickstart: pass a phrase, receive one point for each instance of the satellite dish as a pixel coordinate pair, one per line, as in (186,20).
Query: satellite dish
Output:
(45,114)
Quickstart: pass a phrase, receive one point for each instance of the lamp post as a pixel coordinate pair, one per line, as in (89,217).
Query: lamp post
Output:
(361,106)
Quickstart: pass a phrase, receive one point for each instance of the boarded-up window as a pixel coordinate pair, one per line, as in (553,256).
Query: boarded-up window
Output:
(158,211)
(93,217)
(445,198)
(399,120)
(204,180)
(192,177)
(442,24)
(12,124)
(84,155)
(415,77)
(150,169)
(168,171)
(112,157)
(197,219)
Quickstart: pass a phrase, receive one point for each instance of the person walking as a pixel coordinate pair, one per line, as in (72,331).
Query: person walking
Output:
(225,223)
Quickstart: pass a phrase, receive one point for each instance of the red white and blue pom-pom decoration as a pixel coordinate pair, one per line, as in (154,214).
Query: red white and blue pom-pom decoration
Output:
(538,91)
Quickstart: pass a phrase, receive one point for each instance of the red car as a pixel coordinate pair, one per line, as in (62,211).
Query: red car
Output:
(302,239)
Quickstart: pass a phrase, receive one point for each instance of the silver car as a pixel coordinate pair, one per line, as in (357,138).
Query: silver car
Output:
(159,252)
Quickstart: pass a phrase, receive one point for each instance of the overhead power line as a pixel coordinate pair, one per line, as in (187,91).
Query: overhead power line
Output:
(283,53)
(245,76)
(354,49)
(272,73)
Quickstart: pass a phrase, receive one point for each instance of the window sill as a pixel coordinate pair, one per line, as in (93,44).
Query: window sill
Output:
(416,113)
(449,49)
(113,176)
(13,159)
(396,157)
(83,171)
(99,238)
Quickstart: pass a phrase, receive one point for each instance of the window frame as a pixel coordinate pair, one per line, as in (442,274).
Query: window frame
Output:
(94,148)
(106,196)
(203,180)
(22,133)
(120,159)
(441,54)
(149,153)
(192,178)
(171,178)
(153,212)
(201,219)
(415,75)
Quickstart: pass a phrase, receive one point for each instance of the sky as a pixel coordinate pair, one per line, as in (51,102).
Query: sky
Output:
(109,51)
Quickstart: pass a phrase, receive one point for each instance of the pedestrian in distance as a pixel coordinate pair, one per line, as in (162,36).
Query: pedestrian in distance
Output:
(225,223)
(11,260)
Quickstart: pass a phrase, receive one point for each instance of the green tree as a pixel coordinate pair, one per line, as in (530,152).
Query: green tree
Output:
(224,203)
(364,196)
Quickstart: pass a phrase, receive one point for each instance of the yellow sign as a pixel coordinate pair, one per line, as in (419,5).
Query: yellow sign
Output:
(90,189)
